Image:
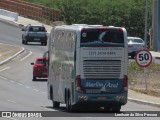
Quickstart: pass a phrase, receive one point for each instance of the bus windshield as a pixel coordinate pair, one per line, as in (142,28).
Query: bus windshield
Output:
(104,35)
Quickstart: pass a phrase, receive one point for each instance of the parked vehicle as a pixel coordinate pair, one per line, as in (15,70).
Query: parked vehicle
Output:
(88,66)
(34,33)
(39,69)
(134,45)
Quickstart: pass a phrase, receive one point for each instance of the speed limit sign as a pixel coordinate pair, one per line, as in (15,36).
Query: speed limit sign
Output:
(143,58)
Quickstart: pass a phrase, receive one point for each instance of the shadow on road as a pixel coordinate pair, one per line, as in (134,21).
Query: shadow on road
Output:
(40,80)
(85,112)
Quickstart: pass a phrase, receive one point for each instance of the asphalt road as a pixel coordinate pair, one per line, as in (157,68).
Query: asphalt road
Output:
(19,93)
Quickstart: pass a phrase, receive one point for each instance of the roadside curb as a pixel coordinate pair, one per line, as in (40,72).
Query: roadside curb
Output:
(16,24)
(13,56)
(144,102)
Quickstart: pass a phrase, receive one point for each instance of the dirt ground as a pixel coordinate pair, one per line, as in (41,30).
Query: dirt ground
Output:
(147,82)
(7,51)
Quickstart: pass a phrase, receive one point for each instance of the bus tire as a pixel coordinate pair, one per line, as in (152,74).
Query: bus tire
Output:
(116,109)
(69,107)
(55,104)
(107,109)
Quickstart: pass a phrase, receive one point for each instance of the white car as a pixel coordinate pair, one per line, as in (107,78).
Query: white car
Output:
(134,45)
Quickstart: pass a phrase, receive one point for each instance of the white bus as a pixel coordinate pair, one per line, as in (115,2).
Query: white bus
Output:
(88,66)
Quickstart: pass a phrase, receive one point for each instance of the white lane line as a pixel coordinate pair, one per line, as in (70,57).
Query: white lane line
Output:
(19,84)
(3,78)
(10,118)
(12,81)
(26,56)
(5,69)
(27,87)
(36,90)
(44,92)
(11,101)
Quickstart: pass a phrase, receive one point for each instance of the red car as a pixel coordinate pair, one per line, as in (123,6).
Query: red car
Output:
(39,69)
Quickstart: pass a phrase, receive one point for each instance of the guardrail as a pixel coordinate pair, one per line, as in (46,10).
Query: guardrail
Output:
(34,11)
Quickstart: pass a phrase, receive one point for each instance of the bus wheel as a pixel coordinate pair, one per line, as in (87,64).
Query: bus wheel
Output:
(69,107)
(116,109)
(68,103)
(107,109)
(55,104)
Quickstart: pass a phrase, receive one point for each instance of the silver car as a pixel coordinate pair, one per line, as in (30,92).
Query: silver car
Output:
(134,45)
(34,33)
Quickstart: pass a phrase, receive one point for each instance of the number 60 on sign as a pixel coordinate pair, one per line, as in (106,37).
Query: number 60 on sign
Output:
(143,58)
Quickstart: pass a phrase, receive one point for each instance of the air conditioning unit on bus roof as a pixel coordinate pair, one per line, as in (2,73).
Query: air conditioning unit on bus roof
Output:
(110,26)
(95,25)
(79,24)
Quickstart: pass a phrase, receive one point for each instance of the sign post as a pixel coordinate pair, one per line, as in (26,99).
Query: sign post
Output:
(144,59)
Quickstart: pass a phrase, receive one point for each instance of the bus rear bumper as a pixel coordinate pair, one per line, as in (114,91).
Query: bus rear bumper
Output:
(101,100)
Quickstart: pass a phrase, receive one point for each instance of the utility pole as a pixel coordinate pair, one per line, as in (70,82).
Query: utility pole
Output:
(155,25)
(146,20)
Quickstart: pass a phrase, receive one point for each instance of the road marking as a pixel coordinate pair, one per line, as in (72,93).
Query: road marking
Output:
(27,87)
(3,78)
(26,56)
(19,84)
(5,69)
(12,81)
(11,101)
(44,92)
(36,90)
(10,118)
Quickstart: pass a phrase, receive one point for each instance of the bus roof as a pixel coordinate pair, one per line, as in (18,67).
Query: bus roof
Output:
(81,26)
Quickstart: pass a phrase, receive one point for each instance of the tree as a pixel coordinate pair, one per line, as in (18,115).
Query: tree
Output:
(122,13)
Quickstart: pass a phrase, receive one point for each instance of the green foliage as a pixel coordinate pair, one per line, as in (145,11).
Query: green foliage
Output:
(133,66)
(151,49)
(123,13)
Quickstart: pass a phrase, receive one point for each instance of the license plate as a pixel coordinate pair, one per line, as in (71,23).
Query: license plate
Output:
(37,39)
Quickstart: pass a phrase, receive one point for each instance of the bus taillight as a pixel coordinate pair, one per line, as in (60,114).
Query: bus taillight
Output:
(120,29)
(125,83)
(78,83)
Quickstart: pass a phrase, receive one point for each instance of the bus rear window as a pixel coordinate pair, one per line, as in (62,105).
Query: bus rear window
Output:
(95,35)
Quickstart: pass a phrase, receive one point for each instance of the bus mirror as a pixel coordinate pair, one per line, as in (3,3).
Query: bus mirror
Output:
(45,58)
(44,61)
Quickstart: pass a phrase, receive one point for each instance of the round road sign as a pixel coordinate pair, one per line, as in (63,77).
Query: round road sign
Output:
(143,58)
